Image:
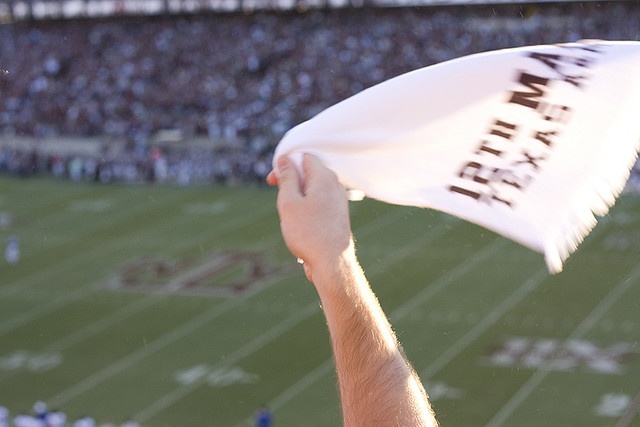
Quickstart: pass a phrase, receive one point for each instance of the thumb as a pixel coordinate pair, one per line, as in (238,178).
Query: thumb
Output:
(288,177)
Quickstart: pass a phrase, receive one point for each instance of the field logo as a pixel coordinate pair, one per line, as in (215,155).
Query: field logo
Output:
(23,360)
(226,274)
(562,355)
(439,390)
(219,377)
(91,206)
(613,405)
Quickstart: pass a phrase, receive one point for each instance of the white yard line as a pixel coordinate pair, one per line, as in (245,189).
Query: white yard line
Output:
(444,280)
(46,308)
(588,323)
(320,371)
(114,246)
(115,317)
(481,327)
(108,220)
(246,350)
(145,351)
(91,329)
(632,412)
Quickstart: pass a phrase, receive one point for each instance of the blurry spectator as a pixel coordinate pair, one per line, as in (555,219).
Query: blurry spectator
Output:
(12,250)
(40,411)
(84,421)
(27,421)
(263,417)
(56,418)
(4,416)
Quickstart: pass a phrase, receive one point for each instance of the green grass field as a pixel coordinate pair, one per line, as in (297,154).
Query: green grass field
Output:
(182,307)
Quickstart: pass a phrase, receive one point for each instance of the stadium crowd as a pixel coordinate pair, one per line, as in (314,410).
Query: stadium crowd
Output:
(239,79)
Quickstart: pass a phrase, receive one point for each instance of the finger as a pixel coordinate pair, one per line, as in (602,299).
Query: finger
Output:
(272,178)
(310,164)
(287,177)
(316,173)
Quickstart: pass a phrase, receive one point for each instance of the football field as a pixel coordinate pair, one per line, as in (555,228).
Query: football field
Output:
(182,307)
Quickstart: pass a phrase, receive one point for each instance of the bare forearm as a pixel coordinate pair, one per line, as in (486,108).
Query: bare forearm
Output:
(377,385)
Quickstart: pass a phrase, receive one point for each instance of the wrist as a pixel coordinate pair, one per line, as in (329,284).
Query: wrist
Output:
(338,275)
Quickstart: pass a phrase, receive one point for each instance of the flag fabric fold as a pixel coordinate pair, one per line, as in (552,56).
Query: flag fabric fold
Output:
(529,142)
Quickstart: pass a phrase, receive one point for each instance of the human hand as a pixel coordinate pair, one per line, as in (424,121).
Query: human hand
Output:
(314,213)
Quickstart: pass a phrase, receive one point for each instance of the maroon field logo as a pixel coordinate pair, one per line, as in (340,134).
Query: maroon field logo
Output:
(224,274)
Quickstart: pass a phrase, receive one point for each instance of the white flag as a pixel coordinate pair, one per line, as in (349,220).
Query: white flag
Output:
(528,142)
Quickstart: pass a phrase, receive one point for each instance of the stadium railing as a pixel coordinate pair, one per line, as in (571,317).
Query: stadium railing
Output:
(24,10)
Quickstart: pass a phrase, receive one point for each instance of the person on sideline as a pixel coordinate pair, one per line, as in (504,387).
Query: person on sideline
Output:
(12,250)
(377,384)
(263,417)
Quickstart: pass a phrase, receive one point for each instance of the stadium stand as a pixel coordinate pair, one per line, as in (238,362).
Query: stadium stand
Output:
(236,81)
(21,10)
